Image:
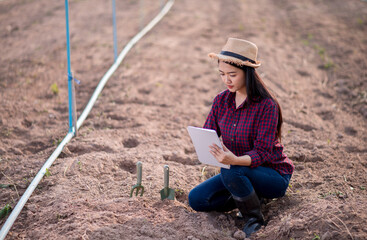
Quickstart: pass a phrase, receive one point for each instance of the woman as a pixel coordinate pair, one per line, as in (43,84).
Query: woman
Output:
(249,120)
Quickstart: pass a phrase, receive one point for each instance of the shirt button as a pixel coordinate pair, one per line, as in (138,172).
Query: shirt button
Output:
(232,139)
(234,125)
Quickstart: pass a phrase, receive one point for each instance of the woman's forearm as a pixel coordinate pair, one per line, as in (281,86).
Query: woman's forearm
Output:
(244,160)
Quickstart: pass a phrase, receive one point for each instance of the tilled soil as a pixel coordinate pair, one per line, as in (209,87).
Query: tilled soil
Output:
(313,56)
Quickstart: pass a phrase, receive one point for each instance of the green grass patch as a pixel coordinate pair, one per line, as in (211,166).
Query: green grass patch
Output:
(54,89)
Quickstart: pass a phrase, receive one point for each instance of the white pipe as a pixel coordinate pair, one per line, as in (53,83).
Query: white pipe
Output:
(14,214)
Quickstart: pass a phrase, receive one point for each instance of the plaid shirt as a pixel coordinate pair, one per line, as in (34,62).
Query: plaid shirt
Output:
(249,130)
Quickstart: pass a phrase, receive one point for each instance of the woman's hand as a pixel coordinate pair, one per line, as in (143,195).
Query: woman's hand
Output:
(223,156)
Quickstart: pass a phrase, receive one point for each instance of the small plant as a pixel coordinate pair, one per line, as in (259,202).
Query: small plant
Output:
(339,194)
(305,42)
(335,193)
(6,132)
(316,237)
(47,173)
(179,192)
(362,188)
(56,142)
(360,21)
(54,89)
(79,164)
(321,51)
(27,180)
(5,211)
(329,64)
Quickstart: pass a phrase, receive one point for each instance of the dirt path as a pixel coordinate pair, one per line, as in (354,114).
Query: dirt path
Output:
(313,57)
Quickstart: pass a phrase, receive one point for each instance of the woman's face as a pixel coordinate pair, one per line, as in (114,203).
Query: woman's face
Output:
(232,77)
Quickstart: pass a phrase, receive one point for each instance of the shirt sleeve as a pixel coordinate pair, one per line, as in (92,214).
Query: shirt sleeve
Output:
(266,132)
(212,120)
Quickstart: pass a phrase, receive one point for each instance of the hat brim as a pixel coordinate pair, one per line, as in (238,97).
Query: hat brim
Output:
(234,60)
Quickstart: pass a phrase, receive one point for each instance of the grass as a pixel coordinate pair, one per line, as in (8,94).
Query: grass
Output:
(54,89)
(5,211)
(321,51)
(80,165)
(305,42)
(56,142)
(332,193)
(47,173)
(360,21)
(329,64)
(316,236)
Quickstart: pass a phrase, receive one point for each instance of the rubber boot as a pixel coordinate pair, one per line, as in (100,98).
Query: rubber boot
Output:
(229,205)
(249,207)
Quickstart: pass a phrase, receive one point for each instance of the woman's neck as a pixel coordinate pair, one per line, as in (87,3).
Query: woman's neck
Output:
(240,98)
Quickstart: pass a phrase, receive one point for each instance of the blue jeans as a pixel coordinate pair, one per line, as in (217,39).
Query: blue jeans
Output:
(239,181)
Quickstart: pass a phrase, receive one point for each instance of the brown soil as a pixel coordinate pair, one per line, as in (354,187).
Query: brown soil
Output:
(314,59)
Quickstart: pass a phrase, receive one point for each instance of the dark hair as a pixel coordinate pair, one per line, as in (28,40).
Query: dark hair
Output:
(256,90)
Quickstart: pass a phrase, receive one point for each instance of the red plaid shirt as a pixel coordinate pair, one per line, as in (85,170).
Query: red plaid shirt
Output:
(249,130)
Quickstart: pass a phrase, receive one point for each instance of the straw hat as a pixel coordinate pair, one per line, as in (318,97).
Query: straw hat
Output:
(239,52)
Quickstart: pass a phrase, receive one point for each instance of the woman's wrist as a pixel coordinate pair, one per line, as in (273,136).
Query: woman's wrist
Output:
(244,160)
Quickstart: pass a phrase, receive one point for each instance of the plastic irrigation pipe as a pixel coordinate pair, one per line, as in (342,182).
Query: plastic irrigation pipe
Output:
(114,29)
(14,214)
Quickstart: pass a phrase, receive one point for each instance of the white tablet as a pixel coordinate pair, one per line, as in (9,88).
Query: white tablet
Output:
(202,139)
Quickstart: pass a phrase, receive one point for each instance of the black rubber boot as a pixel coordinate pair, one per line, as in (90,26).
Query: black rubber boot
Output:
(249,207)
(229,205)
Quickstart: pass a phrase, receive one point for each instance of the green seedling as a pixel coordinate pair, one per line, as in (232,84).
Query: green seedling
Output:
(56,142)
(80,165)
(54,89)
(5,211)
(6,185)
(6,132)
(316,237)
(335,193)
(321,51)
(339,194)
(179,191)
(47,173)
(362,188)
(360,21)
(305,42)
(329,64)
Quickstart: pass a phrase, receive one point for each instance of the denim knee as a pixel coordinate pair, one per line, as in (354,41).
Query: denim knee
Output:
(195,200)
(230,176)
(236,181)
